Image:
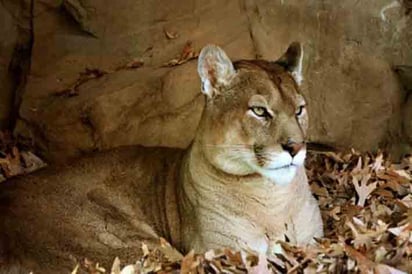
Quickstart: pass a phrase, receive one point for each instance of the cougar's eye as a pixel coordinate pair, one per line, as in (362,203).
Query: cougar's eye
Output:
(260,111)
(299,111)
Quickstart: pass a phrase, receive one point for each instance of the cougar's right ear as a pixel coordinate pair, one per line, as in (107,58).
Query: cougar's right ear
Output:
(215,69)
(292,61)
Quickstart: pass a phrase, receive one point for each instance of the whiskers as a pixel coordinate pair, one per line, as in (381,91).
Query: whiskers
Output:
(233,152)
(234,146)
(246,152)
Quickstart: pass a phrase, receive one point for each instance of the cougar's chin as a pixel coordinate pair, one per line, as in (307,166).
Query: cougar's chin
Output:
(282,168)
(281,176)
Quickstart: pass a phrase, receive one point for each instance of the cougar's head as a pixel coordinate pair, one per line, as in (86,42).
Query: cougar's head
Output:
(255,119)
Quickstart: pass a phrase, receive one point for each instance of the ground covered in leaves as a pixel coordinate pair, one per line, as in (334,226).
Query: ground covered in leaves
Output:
(366,204)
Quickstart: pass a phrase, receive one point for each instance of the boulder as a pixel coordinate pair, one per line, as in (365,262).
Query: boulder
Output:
(354,98)
(15,46)
(405,77)
(407,122)
(9,34)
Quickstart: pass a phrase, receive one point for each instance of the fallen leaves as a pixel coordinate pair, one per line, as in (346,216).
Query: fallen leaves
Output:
(134,64)
(170,252)
(363,189)
(170,34)
(84,76)
(14,161)
(188,53)
(95,73)
(365,207)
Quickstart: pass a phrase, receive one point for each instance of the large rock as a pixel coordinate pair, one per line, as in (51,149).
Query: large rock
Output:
(148,106)
(353,96)
(405,77)
(15,46)
(7,29)
(408,120)
(9,34)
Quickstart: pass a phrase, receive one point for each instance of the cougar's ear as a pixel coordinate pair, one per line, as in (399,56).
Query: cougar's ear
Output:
(215,69)
(292,61)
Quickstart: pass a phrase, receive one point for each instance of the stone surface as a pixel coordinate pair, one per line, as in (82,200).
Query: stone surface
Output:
(15,45)
(405,77)
(9,33)
(354,98)
(407,122)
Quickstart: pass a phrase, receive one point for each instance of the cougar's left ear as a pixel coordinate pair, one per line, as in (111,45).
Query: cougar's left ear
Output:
(292,61)
(215,69)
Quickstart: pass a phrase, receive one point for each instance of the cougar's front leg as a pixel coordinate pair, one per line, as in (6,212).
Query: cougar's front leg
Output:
(308,222)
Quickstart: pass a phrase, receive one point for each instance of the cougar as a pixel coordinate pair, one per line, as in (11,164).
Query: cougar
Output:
(241,184)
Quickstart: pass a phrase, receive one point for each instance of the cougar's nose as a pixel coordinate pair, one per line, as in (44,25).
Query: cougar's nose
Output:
(292,147)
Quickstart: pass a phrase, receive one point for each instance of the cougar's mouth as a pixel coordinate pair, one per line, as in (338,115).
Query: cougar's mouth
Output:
(282,167)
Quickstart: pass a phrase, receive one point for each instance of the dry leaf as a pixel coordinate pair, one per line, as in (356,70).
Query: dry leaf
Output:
(261,267)
(210,255)
(135,63)
(386,269)
(188,263)
(31,162)
(116,266)
(404,232)
(129,269)
(171,34)
(145,250)
(365,265)
(188,53)
(75,269)
(377,165)
(363,189)
(170,252)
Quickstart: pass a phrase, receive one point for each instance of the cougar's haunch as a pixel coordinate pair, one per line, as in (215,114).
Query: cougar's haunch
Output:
(241,184)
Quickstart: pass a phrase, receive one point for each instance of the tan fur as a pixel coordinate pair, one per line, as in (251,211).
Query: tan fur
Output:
(208,196)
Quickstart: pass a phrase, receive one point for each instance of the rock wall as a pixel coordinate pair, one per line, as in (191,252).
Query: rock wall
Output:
(405,77)
(15,51)
(354,97)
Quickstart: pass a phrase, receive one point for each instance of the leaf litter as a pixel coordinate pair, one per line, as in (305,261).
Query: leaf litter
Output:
(188,53)
(366,205)
(16,158)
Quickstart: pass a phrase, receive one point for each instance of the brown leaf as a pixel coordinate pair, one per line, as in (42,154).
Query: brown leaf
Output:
(171,34)
(188,263)
(12,165)
(75,269)
(261,267)
(129,269)
(386,269)
(404,232)
(31,162)
(145,250)
(365,265)
(188,53)
(377,165)
(171,63)
(135,63)
(170,252)
(234,258)
(363,189)
(116,266)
